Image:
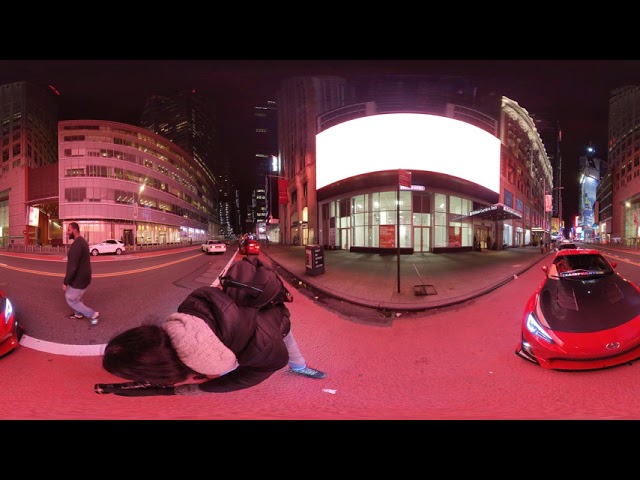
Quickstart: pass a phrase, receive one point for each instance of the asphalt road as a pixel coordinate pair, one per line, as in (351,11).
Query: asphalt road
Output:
(127,290)
(455,363)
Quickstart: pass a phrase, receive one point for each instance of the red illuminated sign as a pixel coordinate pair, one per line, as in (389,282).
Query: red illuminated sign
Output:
(404,178)
(283,194)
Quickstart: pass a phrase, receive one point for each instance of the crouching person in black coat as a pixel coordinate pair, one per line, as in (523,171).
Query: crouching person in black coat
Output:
(210,338)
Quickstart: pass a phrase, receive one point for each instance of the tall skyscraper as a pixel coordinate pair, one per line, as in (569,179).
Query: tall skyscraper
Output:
(301,100)
(28,178)
(265,118)
(187,119)
(549,130)
(623,158)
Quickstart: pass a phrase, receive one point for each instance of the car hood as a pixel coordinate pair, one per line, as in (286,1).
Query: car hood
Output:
(588,305)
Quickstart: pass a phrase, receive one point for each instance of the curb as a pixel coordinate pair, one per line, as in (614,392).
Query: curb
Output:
(404,307)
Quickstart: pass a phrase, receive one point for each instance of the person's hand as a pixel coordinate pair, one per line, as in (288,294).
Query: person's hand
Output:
(64,287)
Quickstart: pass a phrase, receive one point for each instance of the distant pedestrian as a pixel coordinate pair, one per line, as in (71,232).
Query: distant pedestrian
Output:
(78,275)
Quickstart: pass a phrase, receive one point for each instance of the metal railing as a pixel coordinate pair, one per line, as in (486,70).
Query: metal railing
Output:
(63,249)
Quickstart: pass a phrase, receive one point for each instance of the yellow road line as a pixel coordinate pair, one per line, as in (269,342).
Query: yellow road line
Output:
(99,275)
(625,260)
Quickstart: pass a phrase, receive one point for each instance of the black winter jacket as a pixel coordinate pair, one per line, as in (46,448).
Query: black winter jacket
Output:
(256,337)
(78,273)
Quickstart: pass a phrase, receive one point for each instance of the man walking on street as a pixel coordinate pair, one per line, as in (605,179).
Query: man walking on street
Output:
(78,276)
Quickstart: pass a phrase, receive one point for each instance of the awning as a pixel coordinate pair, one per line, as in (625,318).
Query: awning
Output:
(496,212)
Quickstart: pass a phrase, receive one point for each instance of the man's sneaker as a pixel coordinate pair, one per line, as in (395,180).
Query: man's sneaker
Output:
(310,372)
(76,316)
(94,318)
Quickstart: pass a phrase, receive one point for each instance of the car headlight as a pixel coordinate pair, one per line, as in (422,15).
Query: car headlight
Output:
(8,310)
(535,328)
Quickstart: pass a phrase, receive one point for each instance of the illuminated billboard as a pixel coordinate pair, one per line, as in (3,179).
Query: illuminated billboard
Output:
(33,215)
(587,201)
(408,141)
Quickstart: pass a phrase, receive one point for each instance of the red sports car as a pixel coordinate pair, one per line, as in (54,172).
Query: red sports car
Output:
(583,316)
(10,331)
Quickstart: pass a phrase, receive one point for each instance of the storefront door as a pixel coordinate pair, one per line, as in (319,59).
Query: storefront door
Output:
(421,242)
(483,237)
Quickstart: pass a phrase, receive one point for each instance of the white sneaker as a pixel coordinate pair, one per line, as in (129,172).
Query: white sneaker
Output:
(94,319)
(310,372)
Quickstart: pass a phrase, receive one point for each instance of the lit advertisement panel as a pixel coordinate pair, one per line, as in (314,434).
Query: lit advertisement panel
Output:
(33,215)
(407,141)
(589,187)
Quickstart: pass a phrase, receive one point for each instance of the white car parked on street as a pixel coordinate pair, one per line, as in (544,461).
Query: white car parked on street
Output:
(214,246)
(108,246)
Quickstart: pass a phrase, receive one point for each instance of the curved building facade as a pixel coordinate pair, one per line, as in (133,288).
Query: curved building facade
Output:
(125,182)
(473,169)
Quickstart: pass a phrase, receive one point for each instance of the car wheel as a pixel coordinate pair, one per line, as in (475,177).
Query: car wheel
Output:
(94,252)
(118,251)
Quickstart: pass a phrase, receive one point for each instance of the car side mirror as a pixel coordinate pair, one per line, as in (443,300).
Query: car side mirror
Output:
(545,269)
(614,264)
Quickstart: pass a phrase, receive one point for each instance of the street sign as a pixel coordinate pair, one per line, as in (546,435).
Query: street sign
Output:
(415,188)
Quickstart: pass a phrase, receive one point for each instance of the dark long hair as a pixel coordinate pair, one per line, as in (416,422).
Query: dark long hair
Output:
(144,354)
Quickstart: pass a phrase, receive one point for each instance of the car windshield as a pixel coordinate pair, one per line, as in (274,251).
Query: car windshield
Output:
(569,266)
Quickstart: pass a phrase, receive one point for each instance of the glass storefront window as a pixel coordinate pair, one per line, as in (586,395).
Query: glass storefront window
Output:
(367,220)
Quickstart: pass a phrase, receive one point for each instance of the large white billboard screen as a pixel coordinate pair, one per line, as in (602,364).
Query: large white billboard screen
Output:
(407,141)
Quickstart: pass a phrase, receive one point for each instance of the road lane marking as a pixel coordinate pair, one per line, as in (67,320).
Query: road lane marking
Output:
(87,350)
(98,275)
(625,260)
(62,348)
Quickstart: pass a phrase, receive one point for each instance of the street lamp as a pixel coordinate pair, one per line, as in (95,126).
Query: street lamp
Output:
(135,215)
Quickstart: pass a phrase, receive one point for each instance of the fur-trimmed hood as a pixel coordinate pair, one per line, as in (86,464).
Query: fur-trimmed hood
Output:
(198,346)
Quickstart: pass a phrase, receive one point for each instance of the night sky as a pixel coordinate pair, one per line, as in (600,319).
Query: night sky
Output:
(576,92)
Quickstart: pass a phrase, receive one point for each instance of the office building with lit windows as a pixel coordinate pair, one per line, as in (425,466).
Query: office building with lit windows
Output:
(28,180)
(188,119)
(265,144)
(623,162)
(125,182)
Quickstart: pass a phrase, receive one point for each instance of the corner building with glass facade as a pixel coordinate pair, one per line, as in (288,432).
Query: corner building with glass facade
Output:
(124,182)
(454,201)
(478,170)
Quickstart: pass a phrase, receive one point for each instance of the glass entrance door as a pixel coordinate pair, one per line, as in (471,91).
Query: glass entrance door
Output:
(421,242)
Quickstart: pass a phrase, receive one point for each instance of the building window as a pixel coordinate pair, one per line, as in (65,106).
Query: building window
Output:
(75,172)
(77,194)
(508,198)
